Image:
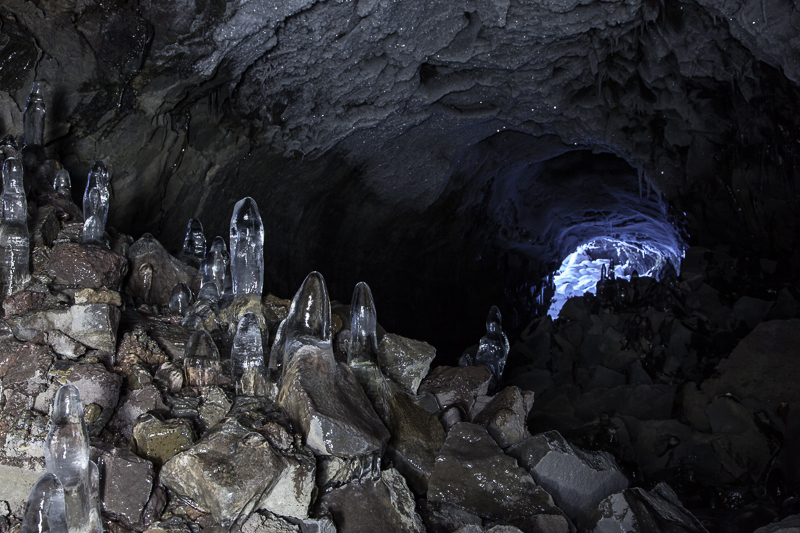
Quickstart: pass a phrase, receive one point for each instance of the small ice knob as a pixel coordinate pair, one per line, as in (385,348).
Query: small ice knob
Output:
(33,121)
(201,365)
(494,346)
(180,298)
(46,511)
(247,248)
(248,369)
(62,184)
(194,244)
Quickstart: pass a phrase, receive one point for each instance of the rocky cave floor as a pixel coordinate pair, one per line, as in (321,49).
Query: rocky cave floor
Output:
(661,407)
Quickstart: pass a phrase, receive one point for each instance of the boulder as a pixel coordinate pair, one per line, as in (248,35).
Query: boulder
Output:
(291,494)
(160,440)
(135,403)
(86,265)
(406,361)
(457,386)
(22,302)
(156,287)
(790,524)
(94,325)
(504,416)
(126,483)
(576,479)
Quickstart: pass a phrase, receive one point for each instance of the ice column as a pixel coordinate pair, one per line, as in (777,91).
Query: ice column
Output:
(194,244)
(247,248)
(308,322)
(66,456)
(95,205)
(201,365)
(14,237)
(180,298)
(248,369)
(33,121)
(46,511)
(62,184)
(494,346)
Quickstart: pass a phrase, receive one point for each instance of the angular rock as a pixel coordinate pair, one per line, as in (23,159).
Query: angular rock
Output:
(79,265)
(267,523)
(226,473)
(94,325)
(126,483)
(91,296)
(22,302)
(639,510)
(383,504)
(473,473)
(214,408)
(644,402)
(135,404)
(166,271)
(457,386)
(65,346)
(138,348)
(324,400)
(96,384)
(504,417)
(28,373)
(406,361)
(443,517)
(291,494)
(576,479)
(159,440)
(750,311)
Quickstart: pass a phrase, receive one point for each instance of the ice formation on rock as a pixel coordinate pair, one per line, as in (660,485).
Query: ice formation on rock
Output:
(201,364)
(494,346)
(180,298)
(46,512)
(67,457)
(62,184)
(308,322)
(95,205)
(33,121)
(194,244)
(14,236)
(248,368)
(247,248)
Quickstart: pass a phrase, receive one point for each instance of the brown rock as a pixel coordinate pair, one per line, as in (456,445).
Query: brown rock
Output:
(22,302)
(81,265)
(154,284)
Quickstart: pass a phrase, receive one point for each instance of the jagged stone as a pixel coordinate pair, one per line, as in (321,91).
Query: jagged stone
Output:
(268,523)
(160,440)
(383,504)
(28,373)
(473,473)
(291,494)
(92,296)
(324,400)
(442,517)
(214,408)
(406,361)
(156,287)
(126,483)
(65,346)
(169,376)
(94,325)
(83,265)
(135,404)
(639,510)
(457,386)
(504,417)
(22,302)
(576,479)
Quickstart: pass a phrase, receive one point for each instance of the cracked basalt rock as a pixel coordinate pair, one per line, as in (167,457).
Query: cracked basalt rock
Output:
(405,361)
(505,415)
(86,266)
(457,386)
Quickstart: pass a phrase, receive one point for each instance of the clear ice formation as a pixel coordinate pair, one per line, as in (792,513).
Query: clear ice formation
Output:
(66,456)
(247,248)
(494,346)
(33,120)
(248,369)
(14,236)
(46,511)
(62,184)
(201,364)
(95,205)
(308,322)
(180,299)
(362,353)
(209,290)
(194,244)
(220,260)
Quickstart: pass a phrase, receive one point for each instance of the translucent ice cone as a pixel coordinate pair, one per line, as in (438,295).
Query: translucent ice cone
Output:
(247,248)
(33,121)
(308,322)
(14,237)
(46,510)
(201,365)
(494,346)
(219,261)
(362,351)
(98,180)
(180,298)
(93,227)
(194,244)
(67,457)
(62,184)
(248,369)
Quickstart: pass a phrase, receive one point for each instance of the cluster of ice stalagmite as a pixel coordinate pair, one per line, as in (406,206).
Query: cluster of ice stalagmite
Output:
(95,205)
(65,499)
(14,237)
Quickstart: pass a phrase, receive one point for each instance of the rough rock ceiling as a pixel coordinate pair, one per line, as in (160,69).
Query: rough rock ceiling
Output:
(400,141)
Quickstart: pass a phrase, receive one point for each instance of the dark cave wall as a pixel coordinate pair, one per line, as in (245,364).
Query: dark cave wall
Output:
(376,135)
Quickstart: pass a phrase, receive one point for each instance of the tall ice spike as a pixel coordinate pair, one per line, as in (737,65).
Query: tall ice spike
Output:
(247,248)
(14,236)
(248,369)
(33,120)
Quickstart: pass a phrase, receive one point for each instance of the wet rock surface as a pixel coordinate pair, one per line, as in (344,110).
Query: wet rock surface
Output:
(86,266)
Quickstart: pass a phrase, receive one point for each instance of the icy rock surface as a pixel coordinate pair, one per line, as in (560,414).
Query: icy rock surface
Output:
(321,396)
(93,267)
(46,510)
(575,478)
(505,416)
(14,244)
(34,117)
(248,367)
(247,248)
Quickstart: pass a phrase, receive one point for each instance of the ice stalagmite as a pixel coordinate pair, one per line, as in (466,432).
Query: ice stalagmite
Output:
(46,512)
(62,184)
(320,396)
(209,290)
(494,346)
(14,236)
(95,205)
(66,456)
(180,298)
(247,248)
(33,121)
(220,260)
(201,365)
(248,368)
(93,229)
(194,244)
(362,354)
